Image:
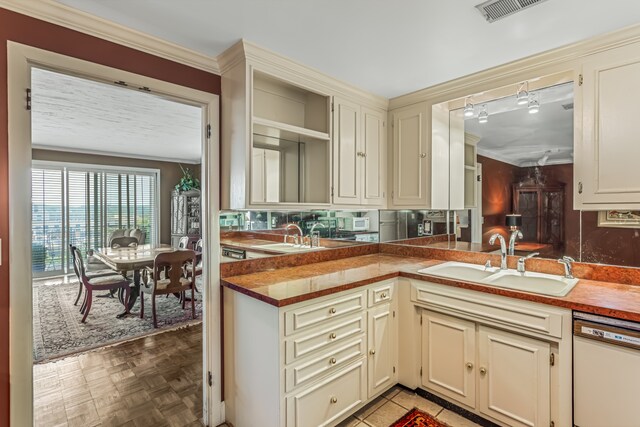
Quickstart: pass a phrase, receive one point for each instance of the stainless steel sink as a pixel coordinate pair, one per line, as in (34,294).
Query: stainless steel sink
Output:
(538,283)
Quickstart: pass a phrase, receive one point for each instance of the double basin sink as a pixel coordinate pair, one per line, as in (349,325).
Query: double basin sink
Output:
(538,283)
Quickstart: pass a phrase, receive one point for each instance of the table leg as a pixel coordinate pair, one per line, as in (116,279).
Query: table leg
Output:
(134,292)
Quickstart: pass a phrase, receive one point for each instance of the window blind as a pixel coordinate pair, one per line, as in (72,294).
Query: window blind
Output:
(72,204)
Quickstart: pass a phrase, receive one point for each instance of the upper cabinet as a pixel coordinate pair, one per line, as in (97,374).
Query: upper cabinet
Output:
(420,157)
(359,147)
(278,147)
(606,164)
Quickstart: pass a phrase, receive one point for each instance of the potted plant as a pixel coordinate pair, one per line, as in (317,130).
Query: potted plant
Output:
(187,182)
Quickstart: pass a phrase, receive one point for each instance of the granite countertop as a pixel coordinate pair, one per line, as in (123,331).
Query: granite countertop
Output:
(295,284)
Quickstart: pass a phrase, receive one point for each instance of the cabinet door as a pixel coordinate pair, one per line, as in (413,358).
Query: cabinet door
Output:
(381,349)
(448,357)
(514,378)
(258,193)
(607,170)
(410,157)
(373,157)
(346,153)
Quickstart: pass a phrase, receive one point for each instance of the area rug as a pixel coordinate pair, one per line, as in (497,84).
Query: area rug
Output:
(417,418)
(57,330)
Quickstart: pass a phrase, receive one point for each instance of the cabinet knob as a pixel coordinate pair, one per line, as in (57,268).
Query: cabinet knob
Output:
(469,365)
(383,295)
(334,399)
(580,188)
(333,361)
(483,371)
(332,310)
(372,352)
(332,335)
(423,155)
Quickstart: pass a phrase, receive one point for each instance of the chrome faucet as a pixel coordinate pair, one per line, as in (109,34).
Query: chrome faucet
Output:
(516,234)
(503,249)
(568,267)
(312,237)
(522,260)
(287,227)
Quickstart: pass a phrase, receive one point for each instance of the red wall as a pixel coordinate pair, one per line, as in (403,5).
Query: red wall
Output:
(33,32)
(497,178)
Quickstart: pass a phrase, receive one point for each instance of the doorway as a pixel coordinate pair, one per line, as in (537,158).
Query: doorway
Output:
(22,60)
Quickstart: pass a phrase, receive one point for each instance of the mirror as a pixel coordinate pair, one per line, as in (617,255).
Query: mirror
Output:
(518,176)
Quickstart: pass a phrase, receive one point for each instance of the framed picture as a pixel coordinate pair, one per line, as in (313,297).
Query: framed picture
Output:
(619,219)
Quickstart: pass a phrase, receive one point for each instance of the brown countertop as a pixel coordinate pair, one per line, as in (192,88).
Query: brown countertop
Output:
(295,284)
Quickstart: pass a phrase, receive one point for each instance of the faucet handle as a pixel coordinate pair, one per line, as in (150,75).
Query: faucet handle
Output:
(487,265)
(567,261)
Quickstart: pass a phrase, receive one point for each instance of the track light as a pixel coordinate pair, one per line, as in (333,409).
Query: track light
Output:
(534,105)
(522,93)
(468,108)
(483,116)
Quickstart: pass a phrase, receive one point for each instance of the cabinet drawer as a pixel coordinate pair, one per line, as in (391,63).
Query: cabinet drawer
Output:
(480,307)
(334,332)
(332,360)
(303,317)
(381,293)
(328,400)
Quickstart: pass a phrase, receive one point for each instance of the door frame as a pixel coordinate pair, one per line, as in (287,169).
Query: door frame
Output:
(20,60)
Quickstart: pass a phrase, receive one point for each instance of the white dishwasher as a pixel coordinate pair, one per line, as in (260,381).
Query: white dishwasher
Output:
(606,371)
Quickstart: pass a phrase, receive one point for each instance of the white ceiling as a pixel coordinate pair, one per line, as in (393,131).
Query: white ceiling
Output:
(514,136)
(387,47)
(79,115)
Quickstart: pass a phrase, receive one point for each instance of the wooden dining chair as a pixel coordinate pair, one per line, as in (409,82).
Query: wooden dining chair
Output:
(124,242)
(183,243)
(198,247)
(90,275)
(105,283)
(168,276)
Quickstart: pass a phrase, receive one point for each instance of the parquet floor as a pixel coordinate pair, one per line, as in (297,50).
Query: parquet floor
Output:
(153,381)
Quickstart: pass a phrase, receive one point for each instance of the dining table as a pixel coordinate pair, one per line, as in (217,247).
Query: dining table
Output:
(131,258)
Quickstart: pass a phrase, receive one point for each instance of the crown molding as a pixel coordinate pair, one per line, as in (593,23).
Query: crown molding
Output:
(553,61)
(74,19)
(255,55)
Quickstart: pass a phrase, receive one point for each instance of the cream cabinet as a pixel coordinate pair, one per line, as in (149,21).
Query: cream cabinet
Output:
(420,157)
(358,154)
(308,364)
(506,360)
(449,356)
(606,157)
(514,378)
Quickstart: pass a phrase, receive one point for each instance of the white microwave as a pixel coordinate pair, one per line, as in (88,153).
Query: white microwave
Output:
(356,224)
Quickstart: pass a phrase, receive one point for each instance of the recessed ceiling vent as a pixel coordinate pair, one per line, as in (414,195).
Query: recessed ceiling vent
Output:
(494,10)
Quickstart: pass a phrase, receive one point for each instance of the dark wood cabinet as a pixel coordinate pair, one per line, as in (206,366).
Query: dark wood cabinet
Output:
(542,210)
(185,216)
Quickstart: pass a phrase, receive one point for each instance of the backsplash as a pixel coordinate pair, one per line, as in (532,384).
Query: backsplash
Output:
(364,226)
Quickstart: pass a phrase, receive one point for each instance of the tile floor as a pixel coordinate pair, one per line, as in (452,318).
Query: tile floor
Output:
(153,381)
(396,402)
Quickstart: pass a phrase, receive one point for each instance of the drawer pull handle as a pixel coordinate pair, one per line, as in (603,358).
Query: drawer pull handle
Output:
(383,295)
(483,371)
(372,352)
(332,310)
(332,335)
(334,399)
(333,361)
(469,365)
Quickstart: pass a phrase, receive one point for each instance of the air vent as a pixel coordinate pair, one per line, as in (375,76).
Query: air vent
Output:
(494,10)
(568,106)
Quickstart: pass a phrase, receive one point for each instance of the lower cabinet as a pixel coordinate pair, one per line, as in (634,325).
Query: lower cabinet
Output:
(308,364)
(448,356)
(506,360)
(514,382)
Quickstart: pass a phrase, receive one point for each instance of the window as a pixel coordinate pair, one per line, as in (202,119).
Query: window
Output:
(82,205)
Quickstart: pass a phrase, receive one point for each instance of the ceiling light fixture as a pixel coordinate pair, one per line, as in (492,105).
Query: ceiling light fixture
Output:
(534,105)
(522,93)
(468,108)
(483,116)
